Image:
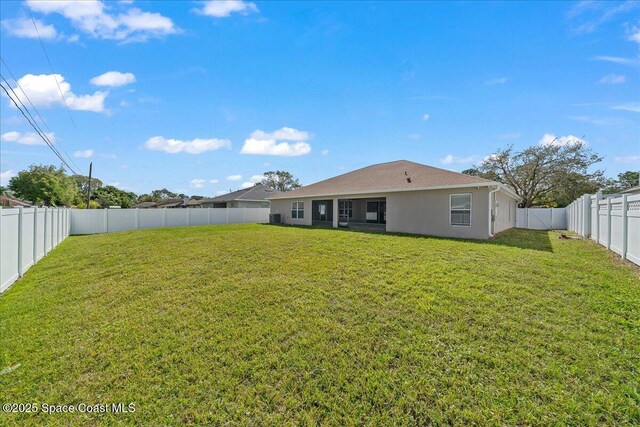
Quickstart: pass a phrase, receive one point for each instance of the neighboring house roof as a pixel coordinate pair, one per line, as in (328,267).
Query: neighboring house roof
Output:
(194,202)
(632,190)
(257,193)
(169,203)
(145,205)
(401,175)
(10,201)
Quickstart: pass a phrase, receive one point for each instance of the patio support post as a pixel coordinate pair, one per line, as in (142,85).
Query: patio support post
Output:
(335,213)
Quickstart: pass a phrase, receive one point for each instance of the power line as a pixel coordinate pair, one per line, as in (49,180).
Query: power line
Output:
(34,108)
(24,93)
(50,66)
(33,123)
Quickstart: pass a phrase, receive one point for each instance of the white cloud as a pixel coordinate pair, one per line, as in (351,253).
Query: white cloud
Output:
(224,8)
(220,192)
(22,27)
(27,138)
(94,18)
(450,159)
(634,107)
(496,81)
(425,117)
(634,35)
(6,176)
(613,79)
(214,181)
(247,184)
(617,60)
(627,159)
(43,92)
(293,143)
(414,136)
(113,79)
(325,152)
(197,183)
(234,177)
(84,154)
(561,141)
(193,146)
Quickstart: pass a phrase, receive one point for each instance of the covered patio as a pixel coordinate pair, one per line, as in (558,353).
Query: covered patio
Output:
(362,214)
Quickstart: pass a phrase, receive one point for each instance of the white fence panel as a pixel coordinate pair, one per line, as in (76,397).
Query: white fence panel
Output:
(121,219)
(91,221)
(541,218)
(26,235)
(613,222)
(198,216)
(150,218)
(176,217)
(10,241)
(88,221)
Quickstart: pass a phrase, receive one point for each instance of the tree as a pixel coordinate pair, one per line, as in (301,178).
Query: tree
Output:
(83,184)
(44,184)
(625,180)
(112,196)
(552,174)
(281,181)
(158,195)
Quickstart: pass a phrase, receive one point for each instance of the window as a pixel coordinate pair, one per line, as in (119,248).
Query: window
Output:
(345,209)
(460,209)
(297,210)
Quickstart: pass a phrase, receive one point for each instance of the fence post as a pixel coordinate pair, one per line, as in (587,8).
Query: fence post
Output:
(209,216)
(597,225)
(20,219)
(625,226)
(44,232)
(105,220)
(137,219)
(188,219)
(586,205)
(608,223)
(35,235)
(227,208)
(164,217)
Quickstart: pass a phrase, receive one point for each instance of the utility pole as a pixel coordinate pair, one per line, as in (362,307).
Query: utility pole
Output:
(89,190)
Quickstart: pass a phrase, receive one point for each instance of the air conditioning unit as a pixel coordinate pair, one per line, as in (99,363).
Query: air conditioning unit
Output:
(275,218)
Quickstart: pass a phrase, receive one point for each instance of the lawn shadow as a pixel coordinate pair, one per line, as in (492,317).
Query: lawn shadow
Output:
(538,240)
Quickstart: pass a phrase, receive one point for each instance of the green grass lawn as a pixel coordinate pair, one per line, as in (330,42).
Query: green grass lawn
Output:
(268,325)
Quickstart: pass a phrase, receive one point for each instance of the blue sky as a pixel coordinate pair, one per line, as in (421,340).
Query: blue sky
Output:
(203,97)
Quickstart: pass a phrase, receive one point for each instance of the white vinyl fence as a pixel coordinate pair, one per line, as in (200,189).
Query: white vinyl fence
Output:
(26,235)
(92,221)
(613,222)
(541,218)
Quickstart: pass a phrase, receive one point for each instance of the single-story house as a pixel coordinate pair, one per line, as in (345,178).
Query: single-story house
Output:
(252,197)
(7,201)
(404,197)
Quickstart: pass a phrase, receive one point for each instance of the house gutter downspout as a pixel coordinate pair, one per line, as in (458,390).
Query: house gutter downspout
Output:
(491,208)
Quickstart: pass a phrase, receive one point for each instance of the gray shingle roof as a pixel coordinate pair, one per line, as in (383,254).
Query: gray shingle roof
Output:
(401,175)
(257,192)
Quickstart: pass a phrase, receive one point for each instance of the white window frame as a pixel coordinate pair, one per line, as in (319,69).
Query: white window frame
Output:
(470,209)
(297,209)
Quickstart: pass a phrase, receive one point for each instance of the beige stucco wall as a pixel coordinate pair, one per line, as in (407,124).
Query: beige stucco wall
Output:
(427,212)
(424,212)
(284,207)
(504,208)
